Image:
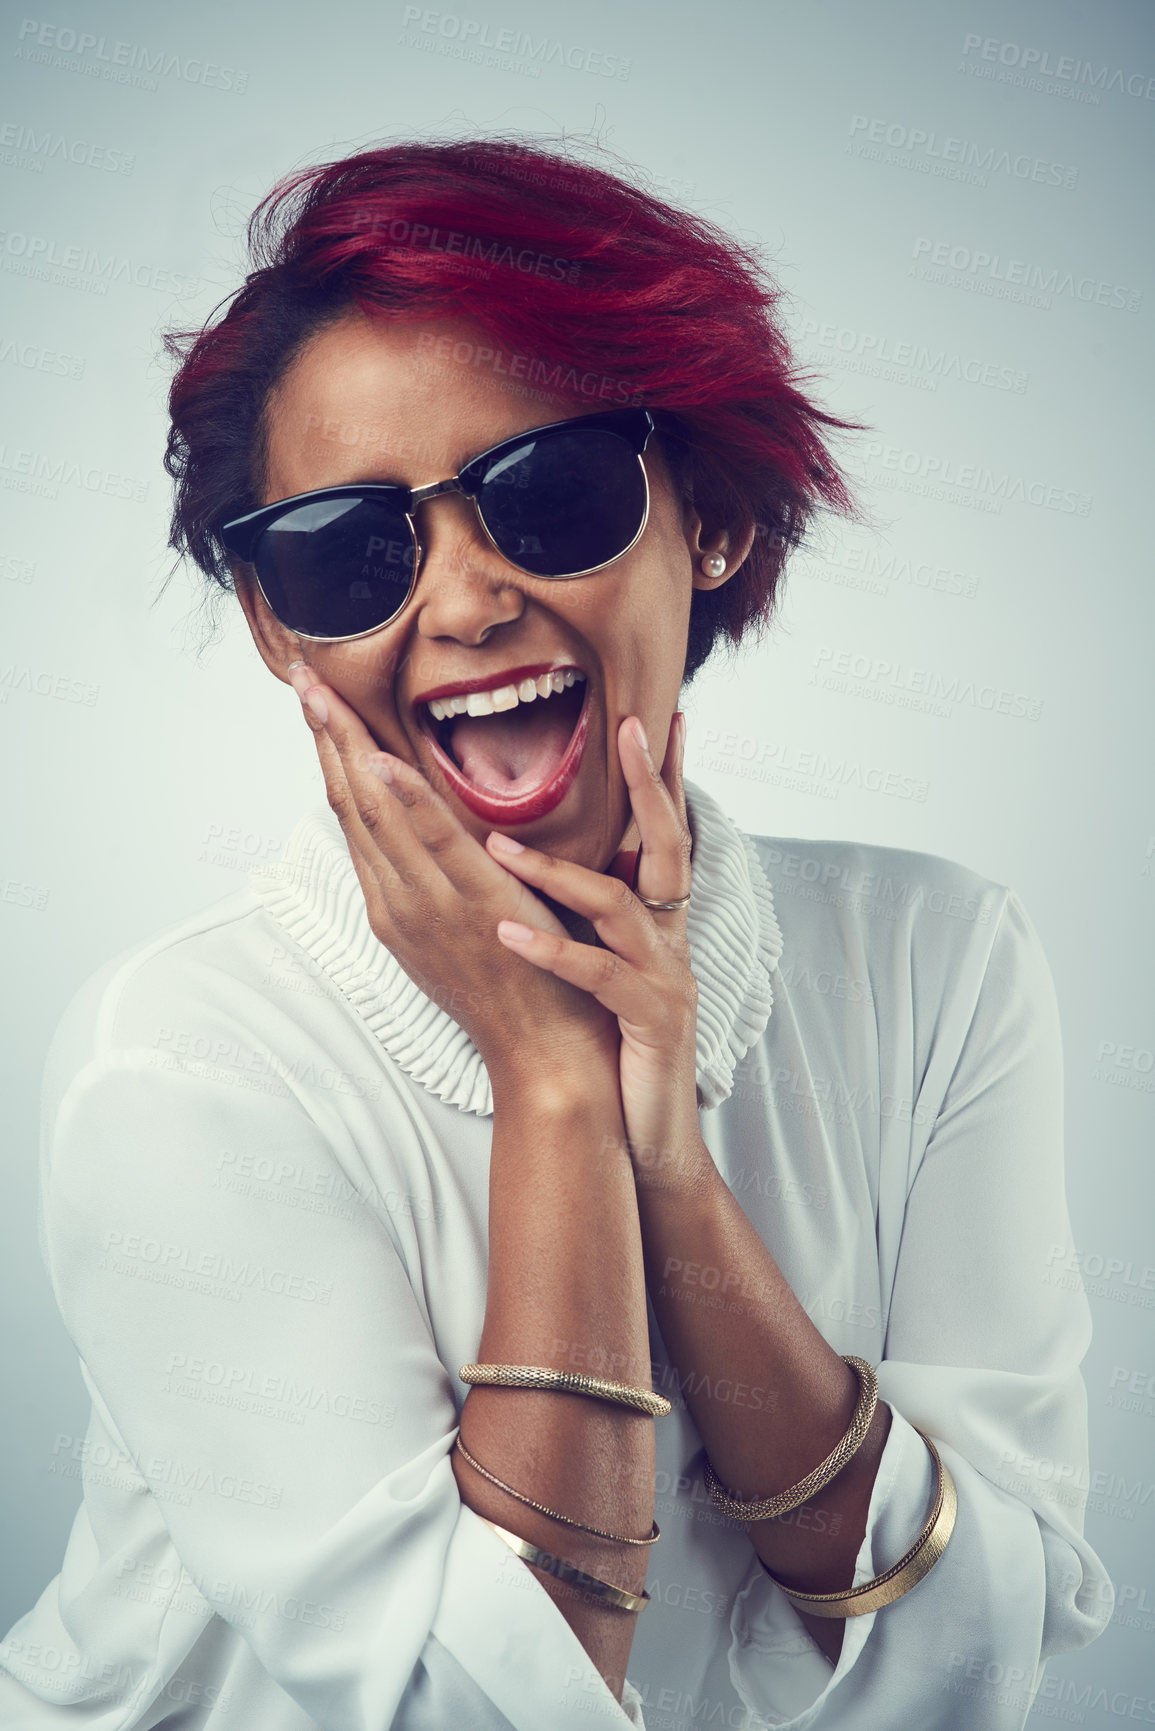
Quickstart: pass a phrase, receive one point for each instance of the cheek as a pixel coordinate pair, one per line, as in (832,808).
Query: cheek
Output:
(363,676)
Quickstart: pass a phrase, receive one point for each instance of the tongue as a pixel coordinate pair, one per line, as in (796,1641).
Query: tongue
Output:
(516,749)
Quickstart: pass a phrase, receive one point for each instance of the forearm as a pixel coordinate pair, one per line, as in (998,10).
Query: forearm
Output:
(770,1398)
(565,1265)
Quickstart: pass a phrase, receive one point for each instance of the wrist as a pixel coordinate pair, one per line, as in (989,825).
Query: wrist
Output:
(673,1171)
(585,1084)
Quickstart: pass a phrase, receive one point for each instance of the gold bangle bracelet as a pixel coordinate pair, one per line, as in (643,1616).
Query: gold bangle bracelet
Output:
(597,1532)
(564,1382)
(848,1445)
(906,1573)
(572,1576)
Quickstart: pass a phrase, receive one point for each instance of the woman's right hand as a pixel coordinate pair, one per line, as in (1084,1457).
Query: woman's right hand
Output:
(434,897)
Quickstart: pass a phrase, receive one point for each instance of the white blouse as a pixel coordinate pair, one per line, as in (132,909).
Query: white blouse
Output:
(265,1214)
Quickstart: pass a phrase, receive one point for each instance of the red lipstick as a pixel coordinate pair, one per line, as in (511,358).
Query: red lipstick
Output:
(526,807)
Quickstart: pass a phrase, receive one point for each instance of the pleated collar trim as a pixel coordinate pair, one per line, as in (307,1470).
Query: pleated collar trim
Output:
(735,944)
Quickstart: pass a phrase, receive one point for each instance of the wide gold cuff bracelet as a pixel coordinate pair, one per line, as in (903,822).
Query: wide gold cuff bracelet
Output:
(906,1573)
(572,1576)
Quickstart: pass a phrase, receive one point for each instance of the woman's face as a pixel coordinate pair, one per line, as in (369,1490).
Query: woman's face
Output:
(367,401)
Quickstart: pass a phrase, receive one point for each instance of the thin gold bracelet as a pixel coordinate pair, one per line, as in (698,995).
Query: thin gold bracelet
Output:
(552,1513)
(570,1574)
(907,1572)
(848,1445)
(564,1382)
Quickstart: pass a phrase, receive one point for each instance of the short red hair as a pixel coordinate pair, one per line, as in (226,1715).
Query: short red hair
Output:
(591,275)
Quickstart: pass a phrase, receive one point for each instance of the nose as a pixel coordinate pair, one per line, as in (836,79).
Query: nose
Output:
(465,589)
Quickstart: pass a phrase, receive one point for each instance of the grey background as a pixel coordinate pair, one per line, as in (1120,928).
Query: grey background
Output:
(149,760)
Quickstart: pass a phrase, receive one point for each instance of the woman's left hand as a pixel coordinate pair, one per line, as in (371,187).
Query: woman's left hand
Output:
(643,974)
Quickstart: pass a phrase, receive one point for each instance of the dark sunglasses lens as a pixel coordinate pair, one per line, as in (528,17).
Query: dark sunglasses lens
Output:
(336,567)
(566,503)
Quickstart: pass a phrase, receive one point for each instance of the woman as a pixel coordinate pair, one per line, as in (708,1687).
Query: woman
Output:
(509,1076)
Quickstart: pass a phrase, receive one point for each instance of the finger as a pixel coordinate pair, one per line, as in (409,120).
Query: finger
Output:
(611,907)
(360,801)
(658,802)
(621,988)
(674,764)
(462,860)
(403,830)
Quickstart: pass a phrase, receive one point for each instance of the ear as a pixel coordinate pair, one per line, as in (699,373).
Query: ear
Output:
(276,644)
(732,545)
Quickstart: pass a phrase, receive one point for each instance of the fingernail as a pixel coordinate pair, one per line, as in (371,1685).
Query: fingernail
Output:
(681,730)
(504,843)
(377,766)
(316,704)
(514,930)
(640,735)
(301,676)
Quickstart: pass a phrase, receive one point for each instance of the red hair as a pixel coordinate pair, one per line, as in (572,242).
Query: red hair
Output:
(611,293)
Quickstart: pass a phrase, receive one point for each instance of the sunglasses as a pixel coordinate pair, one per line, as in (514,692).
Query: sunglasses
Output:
(559,501)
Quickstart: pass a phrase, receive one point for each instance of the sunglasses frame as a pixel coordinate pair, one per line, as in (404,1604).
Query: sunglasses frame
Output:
(240,535)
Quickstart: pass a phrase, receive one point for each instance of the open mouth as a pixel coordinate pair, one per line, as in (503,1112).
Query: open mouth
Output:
(511,752)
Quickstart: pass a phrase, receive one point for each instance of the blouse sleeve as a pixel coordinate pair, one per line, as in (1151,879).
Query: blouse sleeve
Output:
(230,1341)
(982,1351)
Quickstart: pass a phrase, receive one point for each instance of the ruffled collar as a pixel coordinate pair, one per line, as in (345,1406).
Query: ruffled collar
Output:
(735,943)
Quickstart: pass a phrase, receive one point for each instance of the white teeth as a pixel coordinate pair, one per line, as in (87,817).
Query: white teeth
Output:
(504,697)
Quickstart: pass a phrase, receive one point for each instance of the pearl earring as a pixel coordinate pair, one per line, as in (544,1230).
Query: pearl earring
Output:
(713,565)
